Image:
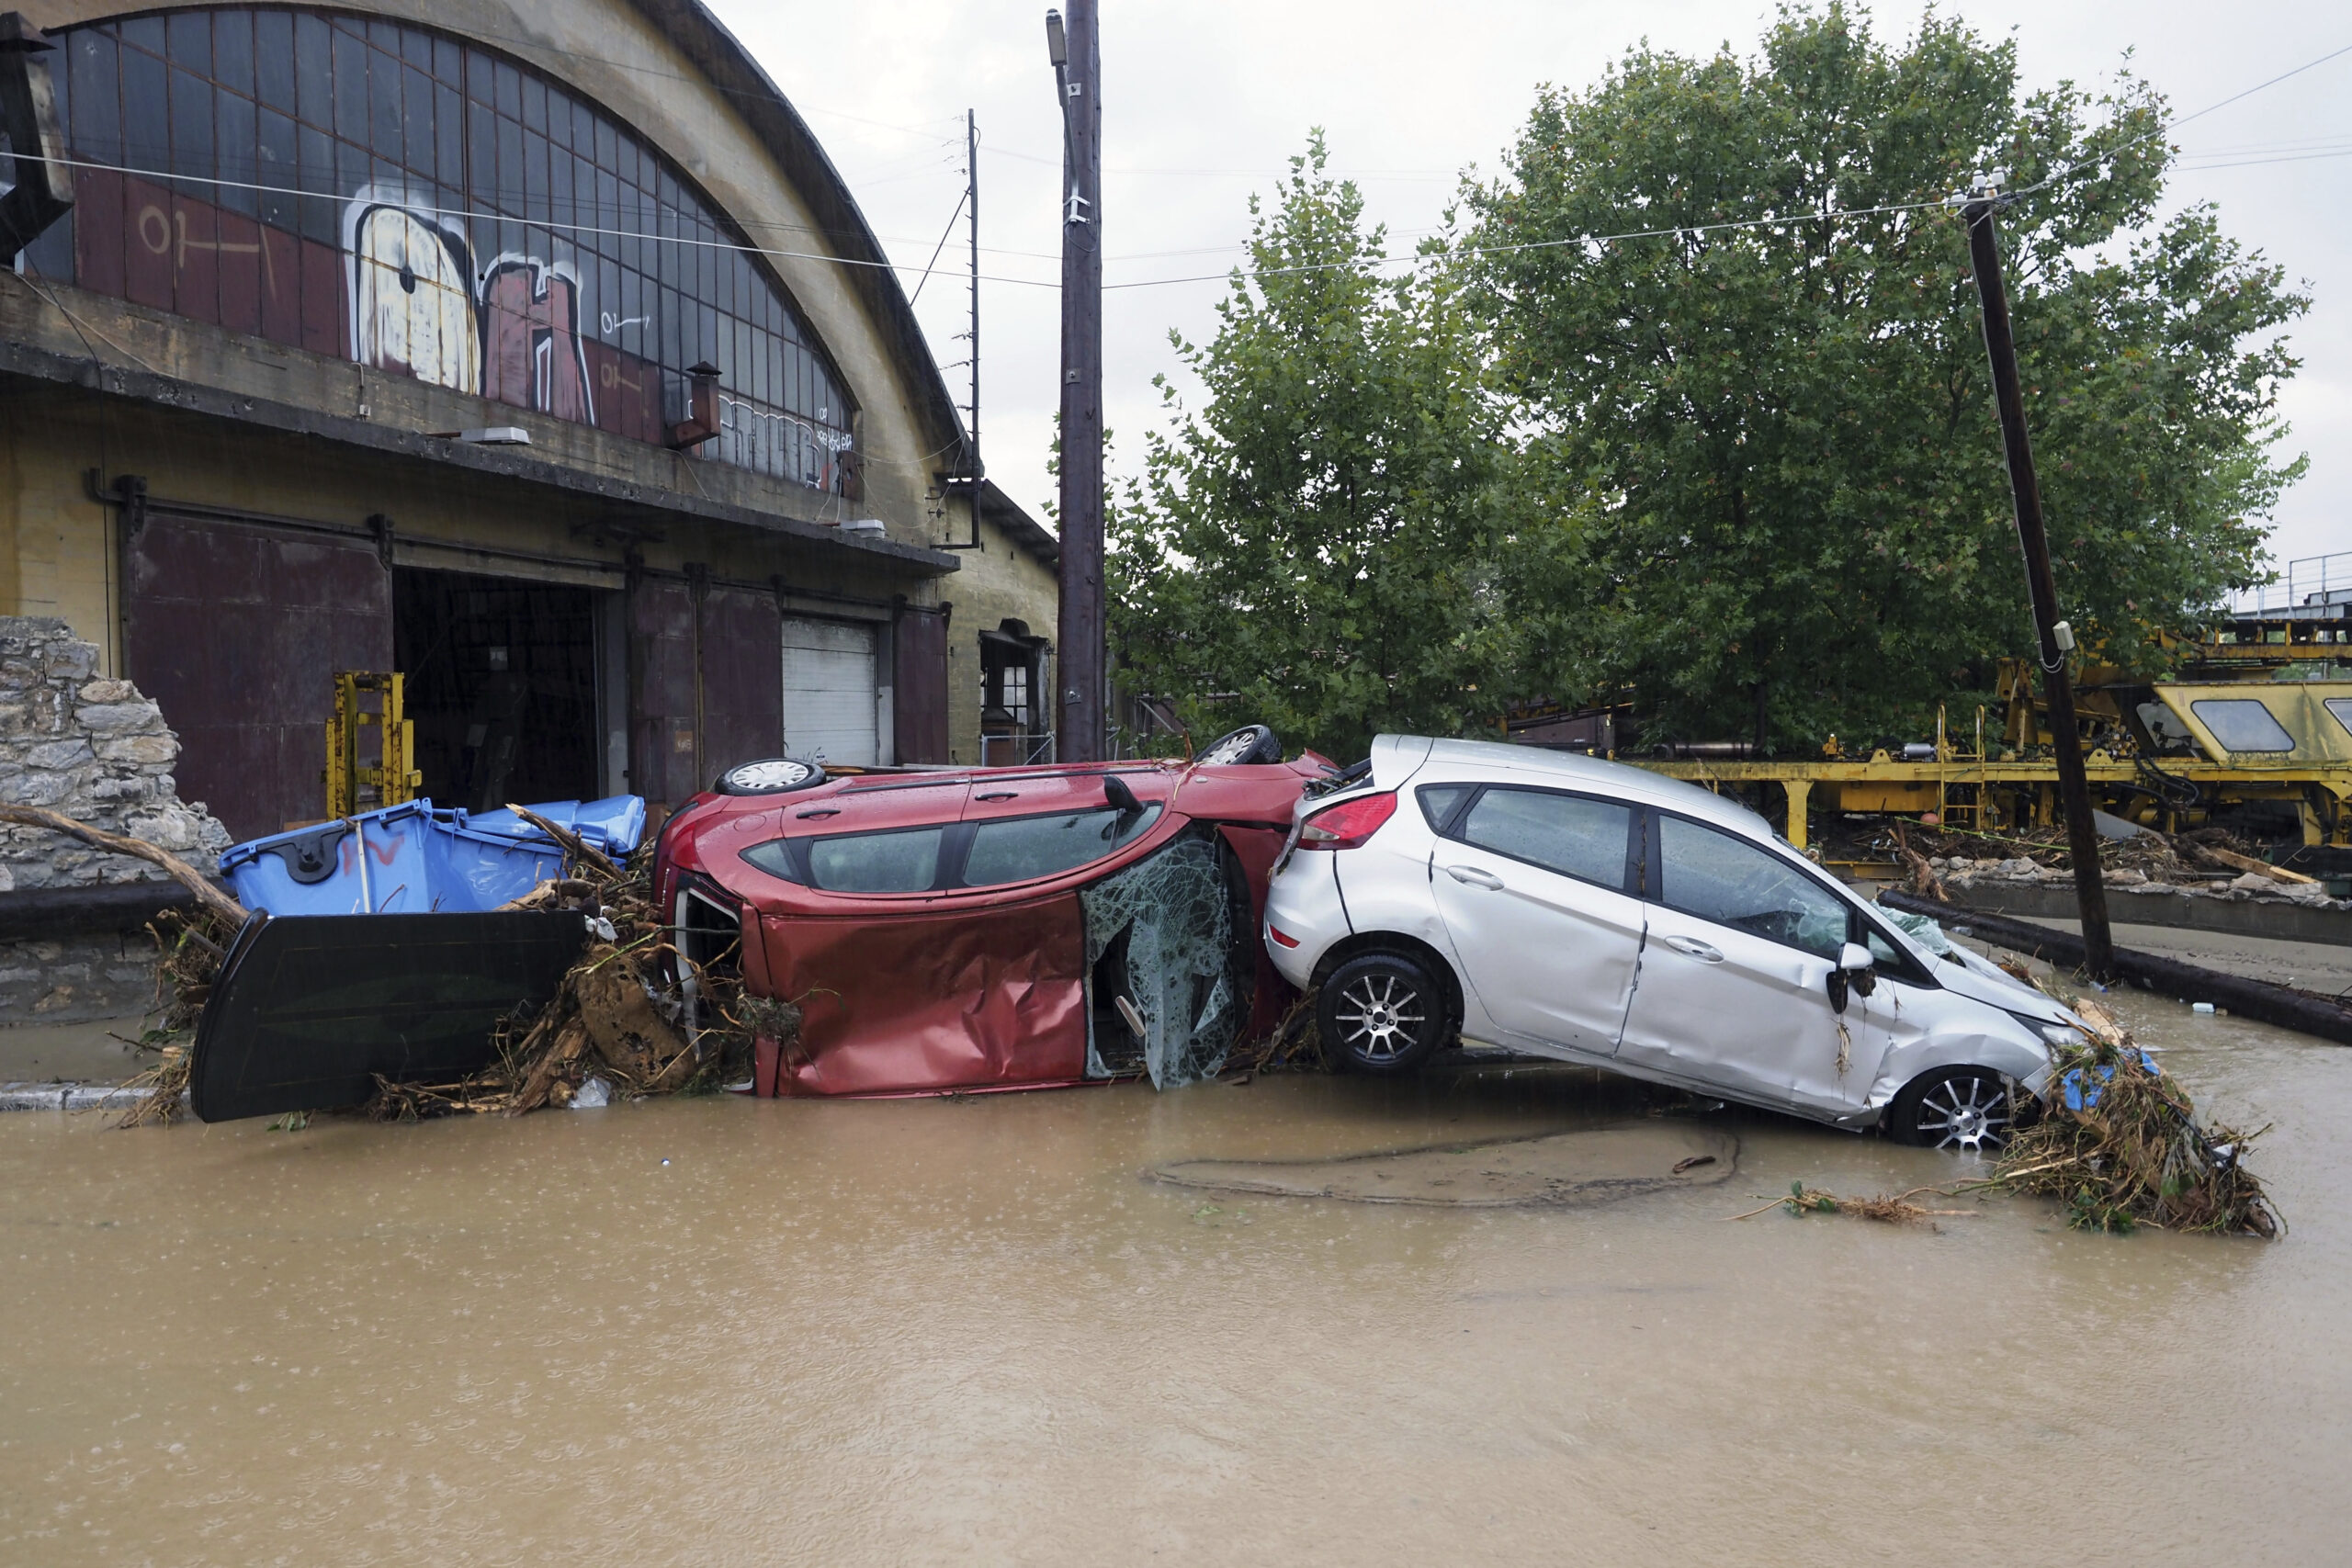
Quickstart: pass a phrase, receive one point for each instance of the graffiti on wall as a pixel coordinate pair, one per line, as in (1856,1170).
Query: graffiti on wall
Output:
(509,332)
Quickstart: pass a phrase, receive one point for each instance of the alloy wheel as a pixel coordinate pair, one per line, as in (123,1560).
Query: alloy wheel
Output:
(1968,1111)
(1380,1016)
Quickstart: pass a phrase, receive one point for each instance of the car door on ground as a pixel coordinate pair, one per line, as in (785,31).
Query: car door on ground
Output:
(1733,989)
(1534,886)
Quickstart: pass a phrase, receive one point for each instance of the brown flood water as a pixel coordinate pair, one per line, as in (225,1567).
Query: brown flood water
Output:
(926,1331)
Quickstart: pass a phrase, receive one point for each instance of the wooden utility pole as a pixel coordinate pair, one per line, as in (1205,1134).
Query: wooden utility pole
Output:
(1081,734)
(2056,639)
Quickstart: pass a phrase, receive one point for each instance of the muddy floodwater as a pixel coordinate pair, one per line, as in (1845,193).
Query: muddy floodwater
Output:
(718,1332)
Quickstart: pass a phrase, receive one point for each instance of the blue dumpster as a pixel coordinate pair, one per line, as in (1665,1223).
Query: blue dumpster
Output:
(413,860)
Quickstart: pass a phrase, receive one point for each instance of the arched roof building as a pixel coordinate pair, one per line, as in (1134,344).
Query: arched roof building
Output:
(536,351)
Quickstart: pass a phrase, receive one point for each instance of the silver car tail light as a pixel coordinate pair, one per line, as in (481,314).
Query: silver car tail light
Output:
(1348,824)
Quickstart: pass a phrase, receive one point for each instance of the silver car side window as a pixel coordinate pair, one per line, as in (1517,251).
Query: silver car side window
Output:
(1571,834)
(1716,877)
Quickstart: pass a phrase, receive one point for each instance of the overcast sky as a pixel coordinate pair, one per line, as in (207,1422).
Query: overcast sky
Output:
(1206,100)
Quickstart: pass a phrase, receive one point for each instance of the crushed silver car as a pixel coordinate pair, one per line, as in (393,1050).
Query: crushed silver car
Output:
(1596,913)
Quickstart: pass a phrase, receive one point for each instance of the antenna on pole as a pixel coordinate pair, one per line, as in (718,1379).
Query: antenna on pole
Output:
(974,471)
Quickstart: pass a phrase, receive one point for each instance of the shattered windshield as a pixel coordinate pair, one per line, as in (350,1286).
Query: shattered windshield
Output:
(1160,940)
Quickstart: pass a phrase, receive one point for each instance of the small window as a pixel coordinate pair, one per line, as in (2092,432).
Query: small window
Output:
(2342,708)
(2243,724)
(1439,801)
(775,858)
(905,861)
(1020,849)
(1567,833)
(1716,877)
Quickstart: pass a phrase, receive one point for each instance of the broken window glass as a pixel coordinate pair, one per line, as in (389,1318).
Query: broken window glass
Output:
(1168,983)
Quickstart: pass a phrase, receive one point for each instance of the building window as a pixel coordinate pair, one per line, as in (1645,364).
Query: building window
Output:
(1012,727)
(399,197)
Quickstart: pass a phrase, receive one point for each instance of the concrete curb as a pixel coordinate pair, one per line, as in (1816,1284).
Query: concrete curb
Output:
(70,1097)
(2277,918)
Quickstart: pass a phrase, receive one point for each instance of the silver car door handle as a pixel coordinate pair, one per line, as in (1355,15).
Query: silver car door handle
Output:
(1475,878)
(1695,948)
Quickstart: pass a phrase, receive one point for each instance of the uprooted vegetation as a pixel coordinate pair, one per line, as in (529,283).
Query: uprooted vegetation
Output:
(618,1020)
(2120,1146)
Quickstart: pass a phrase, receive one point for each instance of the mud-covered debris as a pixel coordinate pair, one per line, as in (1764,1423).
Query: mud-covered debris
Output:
(1896,1211)
(2119,1145)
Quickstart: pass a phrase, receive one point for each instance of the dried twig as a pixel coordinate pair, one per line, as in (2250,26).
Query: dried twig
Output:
(207,894)
(573,845)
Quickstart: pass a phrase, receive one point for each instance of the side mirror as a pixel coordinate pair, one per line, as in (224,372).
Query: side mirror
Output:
(1857,971)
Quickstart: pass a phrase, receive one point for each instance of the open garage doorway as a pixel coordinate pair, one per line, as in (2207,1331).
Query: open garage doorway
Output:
(501,684)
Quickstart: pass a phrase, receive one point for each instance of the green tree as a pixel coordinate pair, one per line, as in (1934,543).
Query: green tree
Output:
(1314,547)
(1803,522)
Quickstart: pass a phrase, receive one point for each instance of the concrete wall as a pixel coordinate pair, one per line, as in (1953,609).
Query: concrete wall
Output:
(999,581)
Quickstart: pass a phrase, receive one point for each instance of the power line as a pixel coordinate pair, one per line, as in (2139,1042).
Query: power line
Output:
(1674,230)
(165,177)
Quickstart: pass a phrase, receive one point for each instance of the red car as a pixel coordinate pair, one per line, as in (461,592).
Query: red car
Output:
(992,927)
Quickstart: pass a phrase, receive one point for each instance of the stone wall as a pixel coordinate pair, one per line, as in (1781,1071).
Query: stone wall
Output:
(99,752)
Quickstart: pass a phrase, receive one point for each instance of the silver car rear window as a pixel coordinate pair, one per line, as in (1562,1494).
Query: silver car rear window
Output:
(1567,833)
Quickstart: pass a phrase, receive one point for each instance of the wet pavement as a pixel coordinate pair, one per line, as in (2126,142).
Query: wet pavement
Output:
(721,1332)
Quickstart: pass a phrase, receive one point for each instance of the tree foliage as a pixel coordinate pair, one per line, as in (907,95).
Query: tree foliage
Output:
(1697,409)
(1314,547)
(1806,520)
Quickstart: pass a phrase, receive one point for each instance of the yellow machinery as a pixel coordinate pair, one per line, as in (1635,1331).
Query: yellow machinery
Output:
(2165,754)
(352,783)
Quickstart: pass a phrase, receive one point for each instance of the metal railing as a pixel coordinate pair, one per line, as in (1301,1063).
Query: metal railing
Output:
(2306,584)
(1018,751)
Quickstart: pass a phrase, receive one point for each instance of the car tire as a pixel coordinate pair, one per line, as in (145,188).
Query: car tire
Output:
(1382,1014)
(1964,1110)
(1250,744)
(773,775)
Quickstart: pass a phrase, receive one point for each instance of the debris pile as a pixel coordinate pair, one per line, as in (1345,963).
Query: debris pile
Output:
(191,941)
(2119,1145)
(619,1026)
(1896,1211)
(2209,862)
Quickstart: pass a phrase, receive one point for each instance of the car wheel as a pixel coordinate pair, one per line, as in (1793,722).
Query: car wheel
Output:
(1251,743)
(1381,1013)
(775,775)
(1969,1111)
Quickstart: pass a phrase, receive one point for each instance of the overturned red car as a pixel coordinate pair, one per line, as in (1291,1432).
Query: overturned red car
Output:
(992,927)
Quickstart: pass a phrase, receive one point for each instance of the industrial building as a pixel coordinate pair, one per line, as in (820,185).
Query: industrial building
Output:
(535,351)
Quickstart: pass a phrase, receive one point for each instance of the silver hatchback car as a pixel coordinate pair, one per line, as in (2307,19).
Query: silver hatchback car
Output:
(1596,913)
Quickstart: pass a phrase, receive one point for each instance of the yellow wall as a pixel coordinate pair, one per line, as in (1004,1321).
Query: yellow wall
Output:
(999,581)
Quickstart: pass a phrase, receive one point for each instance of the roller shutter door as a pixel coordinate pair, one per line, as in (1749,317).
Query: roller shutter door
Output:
(830,681)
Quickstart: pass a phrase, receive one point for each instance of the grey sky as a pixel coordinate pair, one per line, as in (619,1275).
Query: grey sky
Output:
(1204,101)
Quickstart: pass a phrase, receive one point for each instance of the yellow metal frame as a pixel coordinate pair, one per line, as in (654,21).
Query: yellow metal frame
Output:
(2011,794)
(392,779)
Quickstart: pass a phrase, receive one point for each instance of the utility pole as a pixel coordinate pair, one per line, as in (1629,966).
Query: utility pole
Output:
(971,471)
(2056,638)
(1077,55)
(972,203)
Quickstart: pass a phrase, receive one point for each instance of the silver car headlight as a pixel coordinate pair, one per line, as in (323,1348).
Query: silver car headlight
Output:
(2048,1034)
